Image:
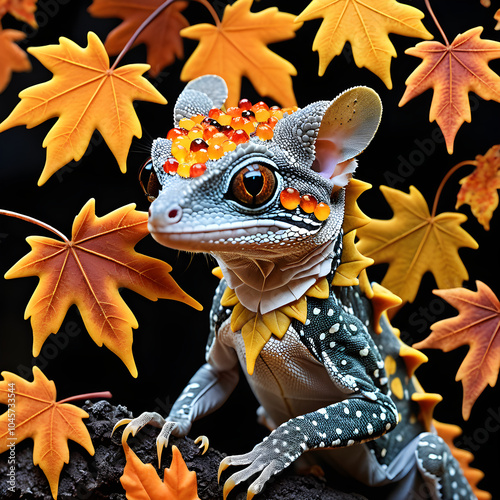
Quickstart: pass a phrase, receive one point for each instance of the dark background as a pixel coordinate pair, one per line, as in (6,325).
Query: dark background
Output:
(170,342)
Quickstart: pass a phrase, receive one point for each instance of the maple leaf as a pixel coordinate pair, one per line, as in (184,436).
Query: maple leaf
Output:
(38,415)
(87,271)
(23,10)
(12,57)
(479,189)
(414,242)
(161,36)
(141,482)
(453,71)
(477,325)
(237,47)
(366,24)
(86,94)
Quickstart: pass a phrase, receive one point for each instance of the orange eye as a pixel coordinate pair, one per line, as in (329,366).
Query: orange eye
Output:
(253,185)
(149,181)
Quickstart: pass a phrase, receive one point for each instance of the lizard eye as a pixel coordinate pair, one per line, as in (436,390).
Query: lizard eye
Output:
(253,185)
(149,181)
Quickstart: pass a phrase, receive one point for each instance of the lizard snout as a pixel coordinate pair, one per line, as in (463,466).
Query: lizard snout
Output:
(160,217)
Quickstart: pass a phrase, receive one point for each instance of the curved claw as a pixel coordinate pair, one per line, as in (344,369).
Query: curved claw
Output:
(204,443)
(121,422)
(223,466)
(228,486)
(161,443)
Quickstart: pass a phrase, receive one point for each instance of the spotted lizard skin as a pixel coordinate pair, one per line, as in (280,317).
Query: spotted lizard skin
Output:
(323,387)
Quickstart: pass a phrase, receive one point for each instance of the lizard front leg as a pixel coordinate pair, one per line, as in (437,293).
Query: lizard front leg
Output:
(207,390)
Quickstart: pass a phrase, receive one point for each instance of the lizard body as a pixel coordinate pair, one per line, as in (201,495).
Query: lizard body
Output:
(320,372)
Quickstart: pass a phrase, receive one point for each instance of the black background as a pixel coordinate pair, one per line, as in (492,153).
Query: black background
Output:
(170,342)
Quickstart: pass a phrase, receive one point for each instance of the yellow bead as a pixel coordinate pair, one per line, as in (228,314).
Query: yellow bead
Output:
(215,151)
(196,133)
(262,115)
(224,119)
(179,153)
(322,211)
(183,169)
(186,123)
(228,146)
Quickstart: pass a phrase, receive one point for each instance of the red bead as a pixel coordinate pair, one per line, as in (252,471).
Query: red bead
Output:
(214,113)
(233,111)
(197,169)
(176,132)
(239,136)
(244,104)
(259,105)
(170,166)
(197,144)
(322,211)
(290,198)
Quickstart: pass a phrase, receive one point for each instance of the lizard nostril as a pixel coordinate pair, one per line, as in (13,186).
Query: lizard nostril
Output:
(172,214)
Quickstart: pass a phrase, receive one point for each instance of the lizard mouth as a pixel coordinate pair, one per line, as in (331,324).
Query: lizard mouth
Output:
(225,237)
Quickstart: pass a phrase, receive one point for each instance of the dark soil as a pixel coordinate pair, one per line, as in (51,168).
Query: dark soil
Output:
(98,477)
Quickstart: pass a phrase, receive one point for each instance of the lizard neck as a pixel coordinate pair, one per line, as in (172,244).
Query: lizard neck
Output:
(263,285)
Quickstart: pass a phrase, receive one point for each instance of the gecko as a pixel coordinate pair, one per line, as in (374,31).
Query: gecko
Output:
(271,210)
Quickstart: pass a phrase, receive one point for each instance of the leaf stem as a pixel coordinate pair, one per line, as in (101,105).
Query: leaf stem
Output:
(27,218)
(445,179)
(150,19)
(88,395)
(436,22)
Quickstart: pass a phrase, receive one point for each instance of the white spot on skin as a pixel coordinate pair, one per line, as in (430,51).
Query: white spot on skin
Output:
(369,428)
(364,352)
(335,328)
(358,414)
(346,410)
(322,336)
(338,431)
(316,311)
(354,328)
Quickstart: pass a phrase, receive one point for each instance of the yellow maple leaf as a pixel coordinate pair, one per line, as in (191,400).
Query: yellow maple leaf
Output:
(237,47)
(415,241)
(12,57)
(365,24)
(86,94)
(48,422)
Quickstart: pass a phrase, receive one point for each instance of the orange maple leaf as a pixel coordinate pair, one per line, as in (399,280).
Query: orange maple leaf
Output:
(33,412)
(86,94)
(366,26)
(453,71)
(477,325)
(479,189)
(161,37)
(23,10)
(87,271)
(12,57)
(237,47)
(141,482)
(414,242)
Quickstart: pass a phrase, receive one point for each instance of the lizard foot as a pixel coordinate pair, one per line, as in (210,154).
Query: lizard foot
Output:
(269,458)
(136,424)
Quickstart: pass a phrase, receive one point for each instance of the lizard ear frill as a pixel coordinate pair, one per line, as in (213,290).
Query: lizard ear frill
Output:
(347,127)
(199,96)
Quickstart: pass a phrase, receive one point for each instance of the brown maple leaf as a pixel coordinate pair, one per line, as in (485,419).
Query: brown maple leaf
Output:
(33,412)
(477,325)
(415,241)
(366,26)
(453,70)
(23,10)
(86,94)
(237,47)
(479,189)
(141,481)
(161,36)
(12,57)
(88,271)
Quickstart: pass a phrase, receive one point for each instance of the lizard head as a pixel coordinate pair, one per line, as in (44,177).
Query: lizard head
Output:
(267,195)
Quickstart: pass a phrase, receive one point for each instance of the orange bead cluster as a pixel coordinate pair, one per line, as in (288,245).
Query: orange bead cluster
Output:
(290,199)
(201,138)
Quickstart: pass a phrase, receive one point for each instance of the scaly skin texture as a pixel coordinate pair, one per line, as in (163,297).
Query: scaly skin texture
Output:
(322,383)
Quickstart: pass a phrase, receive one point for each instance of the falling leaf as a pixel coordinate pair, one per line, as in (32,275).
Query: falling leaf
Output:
(479,189)
(414,242)
(88,271)
(38,416)
(141,482)
(453,71)
(161,37)
(497,18)
(86,95)
(237,47)
(477,325)
(366,26)
(12,57)
(23,10)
